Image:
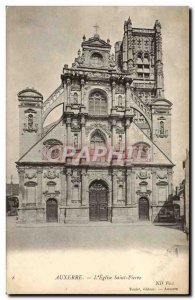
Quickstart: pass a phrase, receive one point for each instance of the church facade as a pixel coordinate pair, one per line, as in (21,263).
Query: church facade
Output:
(108,158)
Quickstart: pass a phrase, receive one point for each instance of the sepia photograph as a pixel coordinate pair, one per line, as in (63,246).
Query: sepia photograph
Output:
(97,168)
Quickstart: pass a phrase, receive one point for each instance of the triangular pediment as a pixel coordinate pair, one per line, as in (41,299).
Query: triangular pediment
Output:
(136,136)
(96,42)
(36,154)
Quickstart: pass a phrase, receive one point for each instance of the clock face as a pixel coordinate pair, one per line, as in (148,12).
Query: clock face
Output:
(97,60)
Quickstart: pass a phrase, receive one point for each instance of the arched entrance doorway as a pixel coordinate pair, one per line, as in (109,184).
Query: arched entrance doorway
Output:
(143,209)
(51,210)
(98,201)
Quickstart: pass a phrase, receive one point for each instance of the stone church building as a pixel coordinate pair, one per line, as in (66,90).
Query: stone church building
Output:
(110,101)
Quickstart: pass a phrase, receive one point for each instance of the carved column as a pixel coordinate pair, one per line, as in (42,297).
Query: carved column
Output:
(130,49)
(128,188)
(65,95)
(125,47)
(154,196)
(170,173)
(65,135)
(63,186)
(83,132)
(69,186)
(113,139)
(127,135)
(68,82)
(133,199)
(127,95)
(113,93)
(82,91)
(114,187)
(131,101)
(84,196)
(39,185)
(159,63)
(68,127)
(21,173)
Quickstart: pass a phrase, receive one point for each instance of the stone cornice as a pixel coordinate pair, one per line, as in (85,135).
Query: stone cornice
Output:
(92,166)
(90,74)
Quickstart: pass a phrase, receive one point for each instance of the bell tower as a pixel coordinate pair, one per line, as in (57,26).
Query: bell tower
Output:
(30,118)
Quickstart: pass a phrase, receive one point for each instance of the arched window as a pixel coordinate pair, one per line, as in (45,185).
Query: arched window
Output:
(120,100)
(139,65)
(30,122)
(120,192)
(76,140)
(97,103)
(97,139)
(96,59)
(144,152)
(143,66)
(162,127)
(52,149)
(146,58)
(75,98)
(75,192)
(120,141)
(141,152)
(139,56)
(30,192)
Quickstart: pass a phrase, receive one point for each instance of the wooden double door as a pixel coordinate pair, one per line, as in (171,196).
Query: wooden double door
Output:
(143,209)
(98,202)
(52,210)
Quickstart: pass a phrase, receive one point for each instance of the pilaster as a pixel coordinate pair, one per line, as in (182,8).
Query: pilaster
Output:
(128,188)
(113,136)
(114,186)
(21,172)
(63,186)
(83,131)
(133,199)
(68,83)
(39,186)
(82,91)
(65,94)
(159,63)
(154,196)
(84,196)
(69,186)
(127,94)
(113,94)
(170,175)
(127,135)
(68,126)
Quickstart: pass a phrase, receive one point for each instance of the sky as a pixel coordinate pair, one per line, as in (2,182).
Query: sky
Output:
(40,40)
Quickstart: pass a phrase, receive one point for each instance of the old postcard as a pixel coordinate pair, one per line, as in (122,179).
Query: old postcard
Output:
(97,150)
